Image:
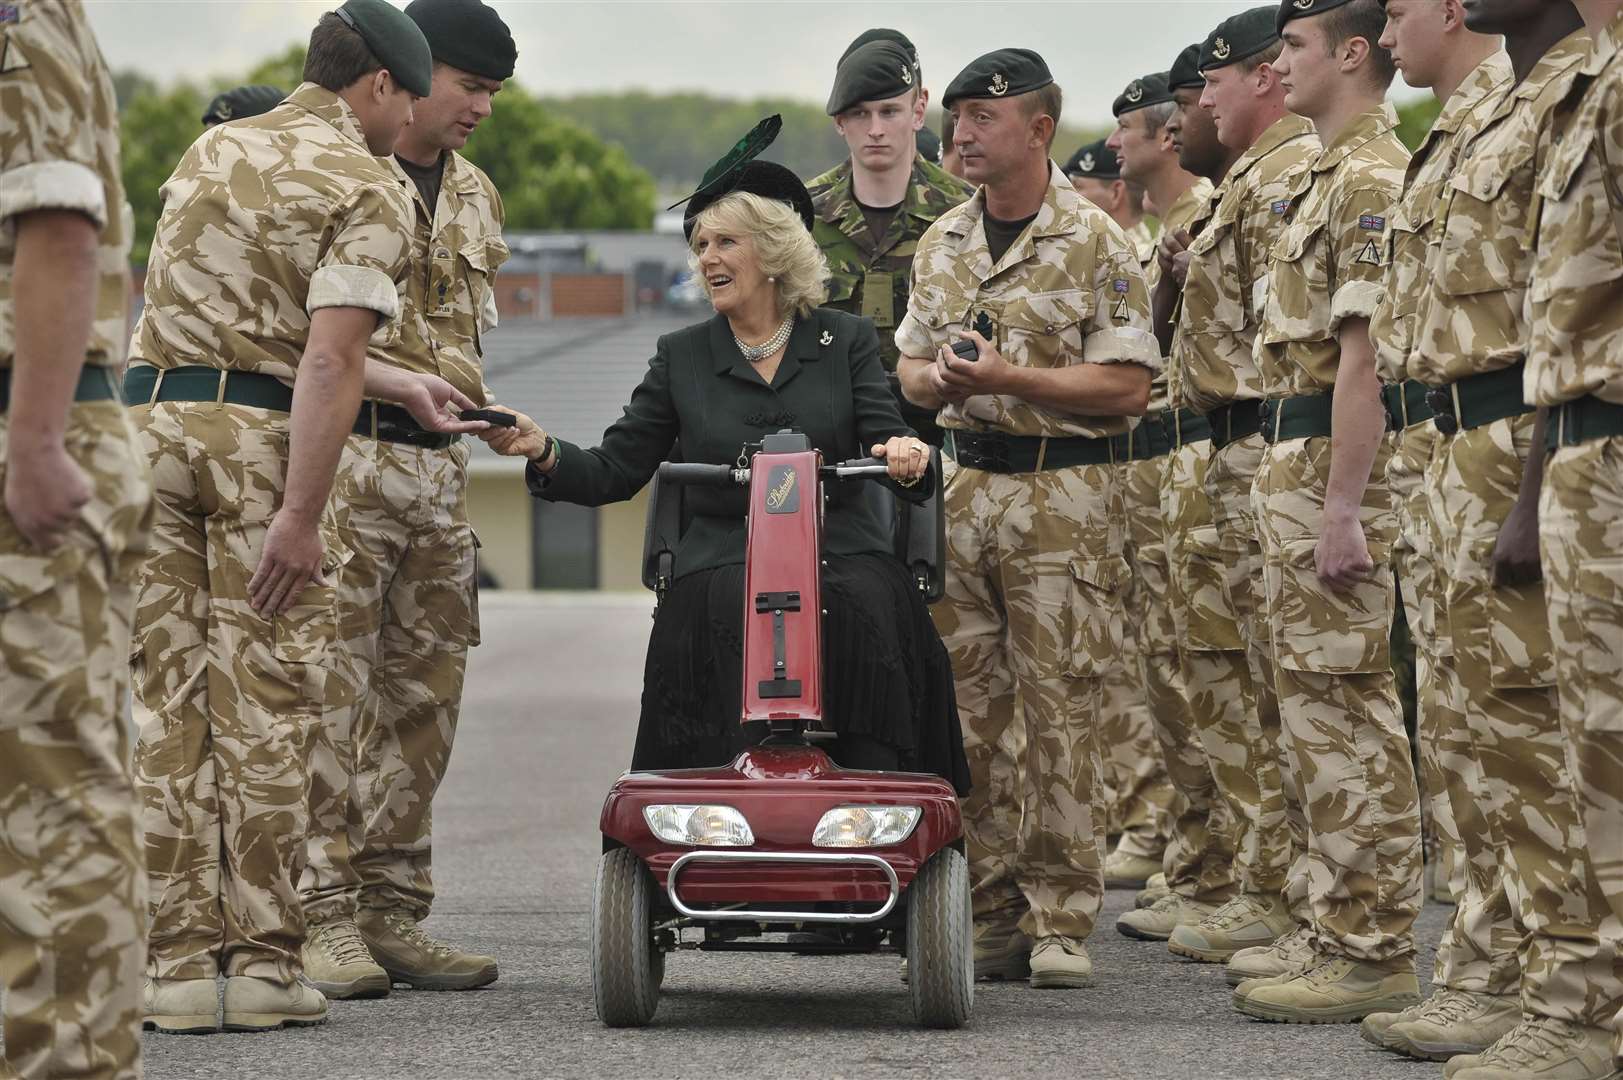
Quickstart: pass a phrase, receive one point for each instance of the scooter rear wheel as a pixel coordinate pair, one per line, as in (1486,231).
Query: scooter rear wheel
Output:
(627,967)
(940,942)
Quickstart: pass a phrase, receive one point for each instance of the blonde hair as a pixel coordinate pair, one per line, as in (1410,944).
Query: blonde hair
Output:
(783,246)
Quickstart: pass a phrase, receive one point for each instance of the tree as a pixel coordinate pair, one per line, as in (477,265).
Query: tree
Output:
(1415,119)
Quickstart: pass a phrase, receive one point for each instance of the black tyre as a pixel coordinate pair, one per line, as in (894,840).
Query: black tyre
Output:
(627,967)
(940,942)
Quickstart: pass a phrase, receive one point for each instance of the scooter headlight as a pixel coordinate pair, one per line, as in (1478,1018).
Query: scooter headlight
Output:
(865,826)
(698,826)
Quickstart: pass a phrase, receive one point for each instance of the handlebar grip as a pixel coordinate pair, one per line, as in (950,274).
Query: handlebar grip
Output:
(860,463)
(696,474)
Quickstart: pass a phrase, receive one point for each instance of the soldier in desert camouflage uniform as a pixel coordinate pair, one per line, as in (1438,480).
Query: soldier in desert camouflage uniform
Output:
(1575,371)
(408,603)
(1327,525)
(1476,972)
(236,620)
(78,503)
(1034,543)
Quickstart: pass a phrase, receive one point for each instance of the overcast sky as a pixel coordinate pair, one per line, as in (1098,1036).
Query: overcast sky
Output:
(743,48)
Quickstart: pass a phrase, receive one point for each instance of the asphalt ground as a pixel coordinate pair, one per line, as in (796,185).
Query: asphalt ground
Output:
(547,725)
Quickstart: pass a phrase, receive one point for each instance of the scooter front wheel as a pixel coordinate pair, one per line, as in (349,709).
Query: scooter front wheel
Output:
(940,942)
(627,968)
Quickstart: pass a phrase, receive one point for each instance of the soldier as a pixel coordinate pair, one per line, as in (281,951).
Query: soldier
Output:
(1476,972)
(402,513)
(235,624)
(241,103)
(1035,570)
(873,207)
(1576,303)
(1327,525)
(78,504)
(1239,129)
(1095,173)
(951,163)
(1470,342)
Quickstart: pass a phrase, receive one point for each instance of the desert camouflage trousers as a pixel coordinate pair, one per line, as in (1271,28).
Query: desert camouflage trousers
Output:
(1477,950)
(1581,541)
(72,896)
(408,611)
(228,701)
(1032,612)
(1503,652)
(1144,680)
(1339,708)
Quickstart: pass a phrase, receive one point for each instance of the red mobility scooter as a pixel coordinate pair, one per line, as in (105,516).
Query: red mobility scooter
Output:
(782,840)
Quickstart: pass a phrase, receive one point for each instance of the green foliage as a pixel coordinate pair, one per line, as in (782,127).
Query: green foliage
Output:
(156,127)
(285,71)
(1415,119)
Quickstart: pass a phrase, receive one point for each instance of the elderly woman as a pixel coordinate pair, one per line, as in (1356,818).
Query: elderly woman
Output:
(769,359)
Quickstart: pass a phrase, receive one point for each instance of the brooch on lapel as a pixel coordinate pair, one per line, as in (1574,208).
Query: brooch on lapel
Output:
(827,338)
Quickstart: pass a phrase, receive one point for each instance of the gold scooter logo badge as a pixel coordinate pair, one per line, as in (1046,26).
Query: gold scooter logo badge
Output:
(782,496)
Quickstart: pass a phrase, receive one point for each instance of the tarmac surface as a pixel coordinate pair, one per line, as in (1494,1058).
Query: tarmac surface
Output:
(547,725)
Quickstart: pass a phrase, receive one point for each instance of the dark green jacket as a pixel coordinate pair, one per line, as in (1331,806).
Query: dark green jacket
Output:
(701,393)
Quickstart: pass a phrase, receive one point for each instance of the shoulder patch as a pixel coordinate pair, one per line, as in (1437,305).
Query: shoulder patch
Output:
(1370,256)
(1372,223)
(1120,285)
(1120,311)
(9,13)
(1282,206)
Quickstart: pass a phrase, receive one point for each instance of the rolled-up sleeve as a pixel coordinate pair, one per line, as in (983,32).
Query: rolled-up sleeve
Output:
(1358,235)
(48,153)
(1120,330)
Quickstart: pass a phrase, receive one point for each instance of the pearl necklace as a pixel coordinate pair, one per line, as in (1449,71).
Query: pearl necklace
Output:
(752,353)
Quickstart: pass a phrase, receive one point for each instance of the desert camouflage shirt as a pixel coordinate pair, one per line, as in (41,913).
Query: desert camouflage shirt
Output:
(59,151)
(1473,320)
(1329,263)
(450,299)
(1182,214)
(872,275)
(1069,290)
(266,220)
(1142,238)
(1413,237)
(1575,301)
(1220,310)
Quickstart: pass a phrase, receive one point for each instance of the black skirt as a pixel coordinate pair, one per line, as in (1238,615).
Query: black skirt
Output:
(887,682)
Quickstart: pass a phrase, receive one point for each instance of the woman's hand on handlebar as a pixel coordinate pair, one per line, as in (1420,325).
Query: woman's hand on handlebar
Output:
(526,439)
(905,456)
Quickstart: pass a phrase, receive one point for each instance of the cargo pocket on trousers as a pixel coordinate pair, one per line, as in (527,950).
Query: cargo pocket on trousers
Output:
(1095,615)
(1599,610)
(1212,625)
(1334,633)
(307,632)
(474,637)
(1522,652)
(42,632)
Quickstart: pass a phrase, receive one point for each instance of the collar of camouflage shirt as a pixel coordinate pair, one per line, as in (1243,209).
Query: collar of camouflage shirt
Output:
(840,208)
(328,106)
(1283,131)
(1365,128)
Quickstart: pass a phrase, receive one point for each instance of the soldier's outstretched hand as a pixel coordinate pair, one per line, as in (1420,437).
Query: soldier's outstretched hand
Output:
(45,490)
(429,404)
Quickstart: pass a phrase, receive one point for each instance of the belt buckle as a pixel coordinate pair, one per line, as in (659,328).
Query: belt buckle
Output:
(1444,418)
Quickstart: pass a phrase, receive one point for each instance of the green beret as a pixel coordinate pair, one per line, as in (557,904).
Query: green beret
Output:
(1301,9)
(393,39)
(1185,73)
(928,144)
(1094,160)
(1004,73)
(1239,37)
(882,33)
(1142,93)
(241,102)
(467,35)
(874,72)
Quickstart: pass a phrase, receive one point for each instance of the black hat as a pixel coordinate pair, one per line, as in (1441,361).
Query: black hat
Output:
(1004,73)
(928,144)
(1239,37)
(1185,71)
(1142,93)
(1301,9)
(242,101)
(883,33)
(873,72)
(739,171)
(467,35)
(1094,160)
(393,39)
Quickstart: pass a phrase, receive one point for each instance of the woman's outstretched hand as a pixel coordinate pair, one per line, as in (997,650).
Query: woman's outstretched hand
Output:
(905,456)
(525,439)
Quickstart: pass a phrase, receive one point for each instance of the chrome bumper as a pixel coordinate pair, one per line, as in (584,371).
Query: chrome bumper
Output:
(818,858)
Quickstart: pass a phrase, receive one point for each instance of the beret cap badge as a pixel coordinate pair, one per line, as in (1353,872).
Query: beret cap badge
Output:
(1087,162)
(907,74)
(1000,85)
(1302,5)
(1221,50)
(1135,91)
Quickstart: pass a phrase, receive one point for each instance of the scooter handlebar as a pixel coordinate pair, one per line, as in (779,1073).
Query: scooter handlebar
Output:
(700,474)
(857,467)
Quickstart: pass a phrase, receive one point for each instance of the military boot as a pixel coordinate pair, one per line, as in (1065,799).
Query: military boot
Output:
(1247,921)
(1157,922)
(404,950)
(181,1006)
(1284,956)
(338,963)
(1001,953)
(253,1004)
(1451,1023)
(1125,870)
(1153,890)
(1060,964)
(1539,1048)
(1336,990)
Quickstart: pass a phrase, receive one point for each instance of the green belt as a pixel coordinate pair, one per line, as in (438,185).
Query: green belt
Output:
(1161,432)
(95,384)
(146,385)
(1581,421)
(1303,417)
(1406,404)
(1235,421)
(1000,453)
(1478,400)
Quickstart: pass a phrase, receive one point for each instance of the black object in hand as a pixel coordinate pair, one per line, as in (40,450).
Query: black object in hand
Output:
(965,349)
(490,416)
